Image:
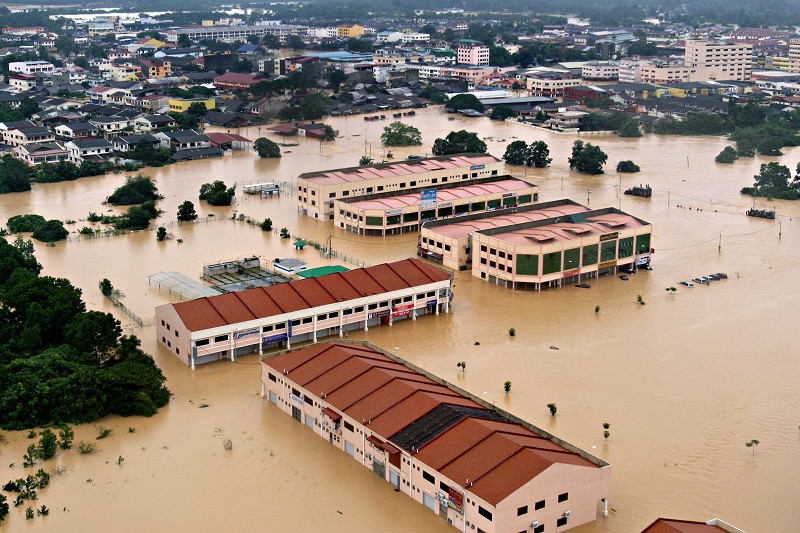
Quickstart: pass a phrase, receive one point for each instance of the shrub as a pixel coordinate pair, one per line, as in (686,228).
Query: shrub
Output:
(103,432)
(627,166)
(727,155)
(216,193)
(25,223)
(51,231)
(266,225)
(552,408)
(137,189)
(47,444)
(105,287)
(161,233)
(512,332)
(86,448)
(507,386)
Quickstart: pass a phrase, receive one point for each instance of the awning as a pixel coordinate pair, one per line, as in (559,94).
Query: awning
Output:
(385,446)
(330,413)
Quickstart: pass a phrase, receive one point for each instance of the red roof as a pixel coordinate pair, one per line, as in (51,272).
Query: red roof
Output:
(263,302)
(444,429)
(237,78)
(669,525)
(218,138)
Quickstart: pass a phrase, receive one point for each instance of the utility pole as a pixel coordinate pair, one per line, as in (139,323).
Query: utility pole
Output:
(667,198)
(719,246)
(330,243)
(588,192)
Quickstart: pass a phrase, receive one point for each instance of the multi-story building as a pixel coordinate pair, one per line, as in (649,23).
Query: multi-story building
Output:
(550,84)
(35,154)
(547,244)
(89,150)
(317,191)
(472,74)
(232,33)
(471,52)
(630,69)
(157,68)
(350,31)
(225,326)
(31,67)
(182,105)
(27,135)
(387,213)
(719,60)
(600,70)
(474,465)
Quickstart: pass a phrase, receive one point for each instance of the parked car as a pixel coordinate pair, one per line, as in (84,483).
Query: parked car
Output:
(628,269)
(687,283)
(702,280)
(713,277)
(721,275)
(647,267)
(583,286)
(624,278)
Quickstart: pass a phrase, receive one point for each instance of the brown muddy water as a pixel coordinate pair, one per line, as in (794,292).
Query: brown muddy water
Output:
(684,380)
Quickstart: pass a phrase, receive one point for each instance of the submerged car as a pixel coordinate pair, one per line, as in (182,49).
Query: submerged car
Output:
(721,275)
(583,286)
(624,278)
(702,280)
(687,283)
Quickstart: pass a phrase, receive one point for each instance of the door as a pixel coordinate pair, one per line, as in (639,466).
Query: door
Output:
(296,413)
(394,478)
(310,420)
(379,468)
(429,501)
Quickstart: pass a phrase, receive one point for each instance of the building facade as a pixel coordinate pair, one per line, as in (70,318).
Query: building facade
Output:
(387,214)
(600,70)
(223,327)
(475,466)
(472,53)
(318,191)
(719,60)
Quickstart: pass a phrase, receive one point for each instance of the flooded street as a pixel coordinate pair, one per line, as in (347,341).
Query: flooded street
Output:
(684,380)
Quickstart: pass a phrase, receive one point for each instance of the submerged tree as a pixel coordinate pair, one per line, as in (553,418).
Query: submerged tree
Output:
(507,386)
(752,444)
(553,409)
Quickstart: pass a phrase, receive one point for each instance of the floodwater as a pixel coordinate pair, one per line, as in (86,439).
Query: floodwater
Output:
(684,380)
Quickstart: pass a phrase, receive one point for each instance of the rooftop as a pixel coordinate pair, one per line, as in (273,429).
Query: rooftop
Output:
(263,302)
(403,168)
(466,439)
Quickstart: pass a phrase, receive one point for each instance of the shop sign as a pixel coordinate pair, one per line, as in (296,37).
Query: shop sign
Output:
(376,314)
(445,204)
(509,194)
(246,333)
(296,398)
(607,264)
(431,303)
(609,236)
(643,260)
(275,338)
(394,212)
(456,500)
(402,310)
(428,195)
(573,272)
(477,167)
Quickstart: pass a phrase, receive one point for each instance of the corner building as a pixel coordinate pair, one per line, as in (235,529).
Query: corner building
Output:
(478,468)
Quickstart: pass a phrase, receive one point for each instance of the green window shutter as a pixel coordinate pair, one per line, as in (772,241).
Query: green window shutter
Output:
(643,243)
(478,206)
(626,247)
(527,265)
(374,221)
(524,199)
(608,251)
(494,203)
(410,217)
(572,258)
(589,255)
(551,262)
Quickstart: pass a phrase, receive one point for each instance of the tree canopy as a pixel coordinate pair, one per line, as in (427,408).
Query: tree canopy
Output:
(15,176)
(137,189)
(216,193)
(537,154)
(60,363)
(399,134)
(459,142)
(465,101)
(266,148)
(587,158)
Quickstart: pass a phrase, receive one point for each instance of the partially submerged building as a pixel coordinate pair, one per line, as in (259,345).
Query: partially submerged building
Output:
(317,191)
(477,467)
(390,213)
(537,246)
(225,326)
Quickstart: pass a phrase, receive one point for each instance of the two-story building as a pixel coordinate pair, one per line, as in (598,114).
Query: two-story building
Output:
(89,150)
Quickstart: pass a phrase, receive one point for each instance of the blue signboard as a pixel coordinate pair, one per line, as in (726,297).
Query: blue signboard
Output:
(275,338)
(477,167)
(428,195)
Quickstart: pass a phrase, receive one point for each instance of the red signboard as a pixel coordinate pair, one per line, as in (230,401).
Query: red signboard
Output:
(402,310)
(456,500)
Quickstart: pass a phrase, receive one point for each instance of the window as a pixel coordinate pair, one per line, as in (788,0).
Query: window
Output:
(308,320)
(273,378)
(162,322)
(589,255)
(309,401)
(372,306)
(561,521)
(348,426)
(280,326)
(538,505)
(347,312)
(608,250)
(168,328)
(563,497)
(434,180)
(359,309)
(221,338)
(427,477)
(202,342)
(322,317)
(295,322)
(484,513)
(332,195)
(528,264)
(335,314)
(539,529)
(178,351)
(522,510)
(444,487)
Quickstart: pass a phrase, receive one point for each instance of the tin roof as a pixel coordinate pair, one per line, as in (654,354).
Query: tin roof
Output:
(262,302)
(464,440)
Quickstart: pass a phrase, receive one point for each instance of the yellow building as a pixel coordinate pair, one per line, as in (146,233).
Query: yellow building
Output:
(182,105)
(351,31)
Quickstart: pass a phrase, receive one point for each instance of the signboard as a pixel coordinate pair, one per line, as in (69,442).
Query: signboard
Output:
(573,272)
(275,338)
(402,310)
(643,260)
(376,314)
(477,167)
(297,399)
(509,194)
(445,204)
(609,236)
(394,212)
(246,333)
(431,303)
(456,500)
(607,264)
(428,195)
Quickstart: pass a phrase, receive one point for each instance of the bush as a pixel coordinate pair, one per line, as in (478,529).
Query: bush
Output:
(627,166)
(86,448)
(106,288)
(727,155)
(137,189)
(266,225)
(25,223)
(216,194)
(161,233)
(186,211)
(138,217)
(51,231)
(47,444)
(266,148)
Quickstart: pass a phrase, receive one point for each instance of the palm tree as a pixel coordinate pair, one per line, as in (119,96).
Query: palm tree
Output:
(507,386)
(752,444)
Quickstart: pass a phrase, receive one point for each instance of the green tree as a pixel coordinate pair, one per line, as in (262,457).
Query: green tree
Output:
(148,154)
(186,211)
(161,233)
(459,142)
(3,508)
(516,153)
(138,217)
(727,155)
(773,176)
(295,42)
(507,386)
(752,444)
(502,112)
(28,107)
(184,41)
(365,161)
(15,175)
(330,134)
(94,332)
(105,287)
(47,444)
(65,437)
(216,193)
(630,129)
(627,166)
(335,79)
(587,158)
(553,409)
(266,225)
(266,148)
(465,101)
(25,223)
(137,189)
(538,155)
(51,231)
(399,134)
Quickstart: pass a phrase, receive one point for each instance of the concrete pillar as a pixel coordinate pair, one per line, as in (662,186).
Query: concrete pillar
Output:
(341,323)
(263,390)
(314,327)
(414,307)
(233,345)
(366,317)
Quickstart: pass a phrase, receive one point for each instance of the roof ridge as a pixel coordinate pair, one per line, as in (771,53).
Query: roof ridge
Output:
(519,450)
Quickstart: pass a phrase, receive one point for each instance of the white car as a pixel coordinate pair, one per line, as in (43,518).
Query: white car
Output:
(687,283)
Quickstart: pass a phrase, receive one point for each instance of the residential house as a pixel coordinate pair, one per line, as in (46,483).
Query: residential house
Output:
(156,68)
(77,130)
(22,82)
(89,150)
(235,81)
(229,141)
(148,123)
(35,154)
(31,67)
(183,140)
(125,143)
(17,137)
(110,126)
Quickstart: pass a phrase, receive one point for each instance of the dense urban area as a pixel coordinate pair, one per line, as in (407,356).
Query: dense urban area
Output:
(166,100)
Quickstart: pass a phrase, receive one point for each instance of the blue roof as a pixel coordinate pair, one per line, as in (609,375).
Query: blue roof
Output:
(247,48)
(340,56)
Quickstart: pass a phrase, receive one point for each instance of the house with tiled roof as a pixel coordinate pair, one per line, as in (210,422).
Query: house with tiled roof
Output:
(233,324)
(474,465)
(89,150)
(235,81)
(671,525)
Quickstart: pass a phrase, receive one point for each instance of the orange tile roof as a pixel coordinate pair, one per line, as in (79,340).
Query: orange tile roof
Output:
(472,445)
(669,525)
(263,302)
